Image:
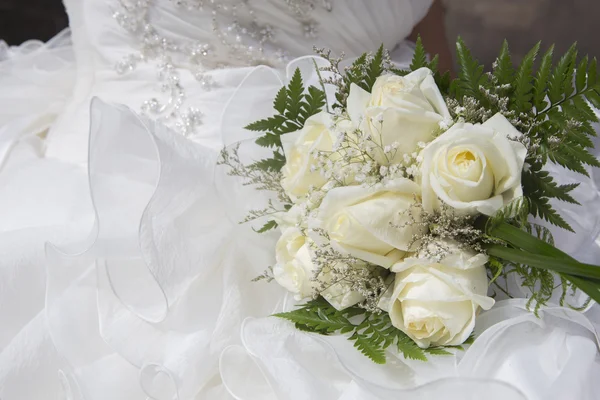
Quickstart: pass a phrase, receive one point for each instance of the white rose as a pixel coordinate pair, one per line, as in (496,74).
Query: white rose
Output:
(402,110)
(299,148)
(294,266)
(372,223)
(294,270)
(435,303)
(474,168)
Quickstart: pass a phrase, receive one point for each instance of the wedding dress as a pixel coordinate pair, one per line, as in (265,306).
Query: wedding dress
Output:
(124,271)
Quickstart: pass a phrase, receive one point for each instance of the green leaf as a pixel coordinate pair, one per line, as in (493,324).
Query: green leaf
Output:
(266,124)
(438,351)
(315,101)
(295,91)
(470,339)
(443,81)
(592,72)
(434,63)
(267,227)
(269,140)
(274,164)
(374,68)
(280,100)
(541,80)
(419,59)
(400,72)
(589,287)
(503,69)
(317,321)
(371,336)
(594,97)
(409,348)
(560,76)
(538,187)
(520,239)
(471,72)
(581,77)
(368,348)
(522,96)
(543,262)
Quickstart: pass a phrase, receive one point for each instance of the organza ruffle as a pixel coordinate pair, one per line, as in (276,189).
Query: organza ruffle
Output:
(161,289)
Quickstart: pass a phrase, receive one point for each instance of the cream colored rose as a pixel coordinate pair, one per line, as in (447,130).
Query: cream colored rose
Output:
(294,266)
(435,303)
(371,223)
(295,269)
(401,110)
(299,148)
(474,168)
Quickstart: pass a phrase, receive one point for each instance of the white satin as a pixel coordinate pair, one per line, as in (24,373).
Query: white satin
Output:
(144,289)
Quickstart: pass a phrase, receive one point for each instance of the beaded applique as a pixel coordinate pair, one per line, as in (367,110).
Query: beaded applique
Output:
(229,43)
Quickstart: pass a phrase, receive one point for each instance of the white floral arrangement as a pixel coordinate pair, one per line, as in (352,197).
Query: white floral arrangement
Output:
(401,201)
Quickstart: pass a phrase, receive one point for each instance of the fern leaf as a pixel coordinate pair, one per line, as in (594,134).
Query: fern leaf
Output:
(419,59)
(267,227)
(541,79)
(437,351)
(521,99)
(267,124)
(434,63)
(269,140)
(368,348)
(374,68)
(503,68)
(295,93)
(542,208)
(560,75)
(581,77)
(594,97)
(274,164)
(280,100)
(593,72)
(315,101)
(409,348)
(471,72)
(317,321)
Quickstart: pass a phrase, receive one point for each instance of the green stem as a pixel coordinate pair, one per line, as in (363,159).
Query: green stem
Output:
(563,266)
(540,254)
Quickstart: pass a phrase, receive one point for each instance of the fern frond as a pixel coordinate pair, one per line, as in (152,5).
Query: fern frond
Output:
(523,87)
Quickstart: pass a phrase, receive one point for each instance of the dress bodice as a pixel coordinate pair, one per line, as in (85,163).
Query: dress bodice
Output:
(212,33)
(167,56)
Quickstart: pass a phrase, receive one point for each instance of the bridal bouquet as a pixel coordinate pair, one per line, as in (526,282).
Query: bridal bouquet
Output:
(403,197)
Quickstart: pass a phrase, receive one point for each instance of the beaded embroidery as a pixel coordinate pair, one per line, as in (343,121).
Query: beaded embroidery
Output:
(228,43)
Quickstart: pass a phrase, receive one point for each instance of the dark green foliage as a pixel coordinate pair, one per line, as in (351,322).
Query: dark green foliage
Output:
(503,69)
(273,164)
(549,105)
(267,227)
(294,105)
(372,334)
(420,61)
(523,83)
(470,76)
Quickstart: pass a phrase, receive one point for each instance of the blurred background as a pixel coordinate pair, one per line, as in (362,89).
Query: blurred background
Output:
(482,23)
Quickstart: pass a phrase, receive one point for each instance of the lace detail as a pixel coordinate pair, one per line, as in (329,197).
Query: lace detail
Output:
(238,38)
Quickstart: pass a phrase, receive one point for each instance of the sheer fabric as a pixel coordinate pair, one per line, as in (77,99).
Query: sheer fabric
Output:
(131,278)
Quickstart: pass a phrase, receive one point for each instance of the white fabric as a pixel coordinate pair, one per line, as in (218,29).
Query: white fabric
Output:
(144,291)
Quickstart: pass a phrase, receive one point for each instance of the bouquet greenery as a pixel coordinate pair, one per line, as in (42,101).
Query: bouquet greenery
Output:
(404,196)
